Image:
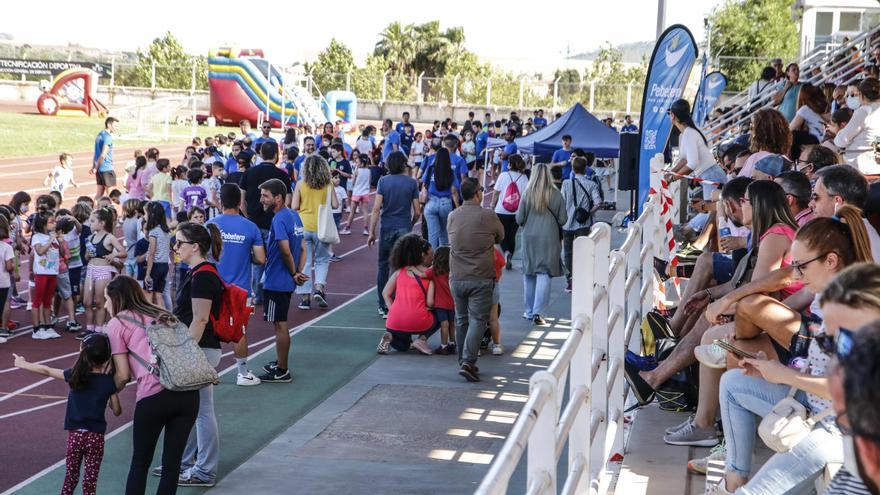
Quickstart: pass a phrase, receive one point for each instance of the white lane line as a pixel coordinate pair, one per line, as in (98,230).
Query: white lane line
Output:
(32,409)
(25,389)
(348,328)
(39,189)
(8,370)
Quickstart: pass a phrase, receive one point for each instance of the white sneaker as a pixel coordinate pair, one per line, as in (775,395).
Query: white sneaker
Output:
(2,340)
(711,355)
(247,380)
(39,335)
(497,350)
(51,333)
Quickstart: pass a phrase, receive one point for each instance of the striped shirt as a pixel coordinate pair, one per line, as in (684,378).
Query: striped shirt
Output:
(844,483)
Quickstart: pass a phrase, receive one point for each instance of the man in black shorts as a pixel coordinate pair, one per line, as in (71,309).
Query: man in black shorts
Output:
(102,162)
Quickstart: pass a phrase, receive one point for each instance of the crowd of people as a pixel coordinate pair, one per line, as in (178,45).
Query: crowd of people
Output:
(170,241)
(775,334)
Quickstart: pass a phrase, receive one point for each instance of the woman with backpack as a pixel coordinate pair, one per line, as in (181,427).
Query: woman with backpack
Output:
(198,300)
(508,191)
(441,185)
(541,214)
(157,409)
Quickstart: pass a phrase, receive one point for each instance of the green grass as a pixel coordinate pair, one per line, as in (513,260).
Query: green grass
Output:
(30,134)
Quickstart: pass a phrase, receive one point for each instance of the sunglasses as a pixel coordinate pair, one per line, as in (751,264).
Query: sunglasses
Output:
(839,346)
(799,267)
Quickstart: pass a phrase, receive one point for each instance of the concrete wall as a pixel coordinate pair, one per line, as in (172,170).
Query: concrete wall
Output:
(29,91)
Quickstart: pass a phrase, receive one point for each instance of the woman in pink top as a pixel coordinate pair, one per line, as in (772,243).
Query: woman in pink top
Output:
(769,134)
(133,184)
(411,310)
(157,409)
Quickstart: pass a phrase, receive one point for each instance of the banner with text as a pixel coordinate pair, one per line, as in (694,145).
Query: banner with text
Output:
(671,64)
(49,67)
(707,96)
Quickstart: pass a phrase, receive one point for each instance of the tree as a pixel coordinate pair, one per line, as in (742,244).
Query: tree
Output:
(755,28)
(333,63)
(611,79)
(397,45)
(173,67)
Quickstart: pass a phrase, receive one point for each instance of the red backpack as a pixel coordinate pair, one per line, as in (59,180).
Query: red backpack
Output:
(232,319)
(511,196)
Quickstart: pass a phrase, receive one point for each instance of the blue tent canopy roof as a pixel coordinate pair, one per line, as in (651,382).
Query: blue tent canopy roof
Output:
(586,131)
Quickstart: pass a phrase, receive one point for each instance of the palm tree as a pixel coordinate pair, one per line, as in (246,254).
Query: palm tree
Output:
(396,43)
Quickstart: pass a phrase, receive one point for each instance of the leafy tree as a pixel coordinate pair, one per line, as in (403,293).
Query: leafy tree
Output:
(173,66)
(752,28)
(397,45)
(611,79)
(333,64)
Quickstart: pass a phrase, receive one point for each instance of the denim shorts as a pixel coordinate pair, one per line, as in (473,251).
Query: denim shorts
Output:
(722,267)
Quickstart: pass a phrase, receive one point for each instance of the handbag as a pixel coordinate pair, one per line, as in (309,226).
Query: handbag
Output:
(787,423)
(327,232)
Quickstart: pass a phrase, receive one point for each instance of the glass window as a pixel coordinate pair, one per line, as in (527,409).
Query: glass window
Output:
(824,23)
(850,21)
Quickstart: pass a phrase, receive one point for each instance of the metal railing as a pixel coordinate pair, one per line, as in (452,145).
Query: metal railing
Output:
(611,291)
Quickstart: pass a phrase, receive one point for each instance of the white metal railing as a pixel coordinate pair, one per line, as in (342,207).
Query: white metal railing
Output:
(611,291)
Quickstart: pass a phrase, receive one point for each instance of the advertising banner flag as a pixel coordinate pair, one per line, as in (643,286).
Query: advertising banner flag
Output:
(49,67)
(671,64)
(711,87)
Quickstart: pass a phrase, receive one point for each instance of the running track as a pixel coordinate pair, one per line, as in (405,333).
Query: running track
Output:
(32,407)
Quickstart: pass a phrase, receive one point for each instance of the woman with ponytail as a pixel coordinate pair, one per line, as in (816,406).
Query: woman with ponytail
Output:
(822,248)
(694,157)
(198,299)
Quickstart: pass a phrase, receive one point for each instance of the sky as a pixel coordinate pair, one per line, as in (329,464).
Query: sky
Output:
(546,29)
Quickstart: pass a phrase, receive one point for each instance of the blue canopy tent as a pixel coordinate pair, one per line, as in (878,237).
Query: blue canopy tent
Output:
(586,131)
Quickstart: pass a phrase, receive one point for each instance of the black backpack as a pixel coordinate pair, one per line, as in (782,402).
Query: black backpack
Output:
(581,215)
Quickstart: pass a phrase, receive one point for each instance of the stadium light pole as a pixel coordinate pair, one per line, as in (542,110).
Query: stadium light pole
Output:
(661,17)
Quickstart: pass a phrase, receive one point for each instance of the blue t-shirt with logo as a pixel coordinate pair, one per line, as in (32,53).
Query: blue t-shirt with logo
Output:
(104,138)
(509,148)
(540,122)
(629,128)
(231,165)
(286,226)
(239,235)
(392,138)
(400,127)
(406,141)
(458,164)
(562,155)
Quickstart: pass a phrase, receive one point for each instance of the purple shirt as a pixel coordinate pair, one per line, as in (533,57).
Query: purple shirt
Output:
(193,195)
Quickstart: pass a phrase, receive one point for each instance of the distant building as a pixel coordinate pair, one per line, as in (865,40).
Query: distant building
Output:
(829,21)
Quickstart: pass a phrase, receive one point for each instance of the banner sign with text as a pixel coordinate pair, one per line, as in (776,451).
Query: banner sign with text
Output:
(49,67)
(707,96)
(671,64)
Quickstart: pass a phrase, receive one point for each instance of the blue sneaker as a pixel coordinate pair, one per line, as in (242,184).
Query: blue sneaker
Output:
(643,363)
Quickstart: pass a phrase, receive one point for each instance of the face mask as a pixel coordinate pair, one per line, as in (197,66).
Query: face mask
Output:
(853,102)
(850,459)
(23,208)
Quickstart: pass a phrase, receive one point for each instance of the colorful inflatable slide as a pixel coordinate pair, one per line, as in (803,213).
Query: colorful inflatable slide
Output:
(73,92)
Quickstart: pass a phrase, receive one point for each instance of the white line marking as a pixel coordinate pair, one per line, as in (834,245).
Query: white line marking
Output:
(8,370)
(36,408)
(25,389)
(348,328)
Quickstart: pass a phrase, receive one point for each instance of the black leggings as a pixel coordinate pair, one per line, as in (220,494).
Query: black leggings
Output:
(508,245)
(174,412)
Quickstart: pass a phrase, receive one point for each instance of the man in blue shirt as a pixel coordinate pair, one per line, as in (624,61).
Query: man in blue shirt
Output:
(406,139)
(265,138)
(539,121)
(397,204)
(509,149)
(562,157)
(629,127)
(284,271)
(392,140)
(481,141)
(102,161)
(246,132)
(308,150)
(401,126)
(241,241)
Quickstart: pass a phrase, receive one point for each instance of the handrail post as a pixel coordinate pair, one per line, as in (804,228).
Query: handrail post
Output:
(541,459)
(616,349)
(599,387)
(582,289)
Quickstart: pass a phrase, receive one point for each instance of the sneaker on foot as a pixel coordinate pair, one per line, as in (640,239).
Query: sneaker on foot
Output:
(497,350)
(345,231)
(469,372)
(270,367)
(366,232)
(247,380)
(384,343)
(80,309)
(304,304)
(15,303)
(719,489)
(39,334)
(693,435)
(321,298)
(451,347)
(673,429)
(508,262)
(4,332)
(711,355)
(51,333)
(539,321)
(276,376)
(2,340)
(568,287)
(717,455)
(527,316)
(643,363)
(73,326)
(84,334)
(383,312)
(335,258)
(643,392)
(421,345)
(193,481)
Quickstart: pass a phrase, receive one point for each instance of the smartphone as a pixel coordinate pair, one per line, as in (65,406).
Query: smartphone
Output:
(724,232)
(727,346)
